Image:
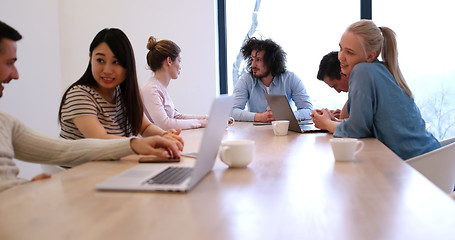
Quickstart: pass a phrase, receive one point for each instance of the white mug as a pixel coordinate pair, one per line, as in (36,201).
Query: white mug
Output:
(280,127)
(237,153)
(344,149)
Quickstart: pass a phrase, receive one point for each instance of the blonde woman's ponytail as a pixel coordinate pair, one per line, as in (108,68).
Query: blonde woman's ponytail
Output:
(381,40)
(390,56)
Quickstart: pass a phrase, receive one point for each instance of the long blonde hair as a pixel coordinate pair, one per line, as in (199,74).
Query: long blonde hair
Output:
(381,40)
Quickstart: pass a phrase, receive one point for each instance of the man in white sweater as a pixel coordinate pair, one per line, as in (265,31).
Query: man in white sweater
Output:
(18,141)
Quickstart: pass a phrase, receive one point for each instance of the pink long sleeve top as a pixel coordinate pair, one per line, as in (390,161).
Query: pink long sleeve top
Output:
(159,108)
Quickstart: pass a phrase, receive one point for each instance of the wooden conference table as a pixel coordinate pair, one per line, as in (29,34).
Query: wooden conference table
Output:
(293,189)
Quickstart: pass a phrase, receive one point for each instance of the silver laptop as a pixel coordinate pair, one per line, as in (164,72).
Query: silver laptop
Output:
(281,109)
(176,177)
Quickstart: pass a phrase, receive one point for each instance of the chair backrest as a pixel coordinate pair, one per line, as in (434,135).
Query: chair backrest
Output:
(447,141)
(438,166)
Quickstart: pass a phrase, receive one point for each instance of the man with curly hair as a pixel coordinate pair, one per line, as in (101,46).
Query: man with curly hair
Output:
(267,74)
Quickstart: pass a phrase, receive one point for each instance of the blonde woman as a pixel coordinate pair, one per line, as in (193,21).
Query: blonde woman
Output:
(164,60)
(380,104)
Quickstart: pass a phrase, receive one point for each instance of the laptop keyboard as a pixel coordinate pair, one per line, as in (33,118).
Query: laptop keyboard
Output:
(172,175)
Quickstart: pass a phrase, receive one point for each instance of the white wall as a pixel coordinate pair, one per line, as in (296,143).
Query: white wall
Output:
(57,35)
(191,24)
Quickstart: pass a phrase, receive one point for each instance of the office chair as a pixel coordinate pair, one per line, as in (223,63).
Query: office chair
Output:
(447,141)
(438,166)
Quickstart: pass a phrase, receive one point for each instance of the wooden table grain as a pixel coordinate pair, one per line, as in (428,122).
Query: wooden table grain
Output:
(293,189)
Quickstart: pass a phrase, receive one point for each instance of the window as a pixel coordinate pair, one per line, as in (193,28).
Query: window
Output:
(309,30)
(305,30)
(426,56)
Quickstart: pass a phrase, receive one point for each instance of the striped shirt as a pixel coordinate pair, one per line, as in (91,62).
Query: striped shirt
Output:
(82,101)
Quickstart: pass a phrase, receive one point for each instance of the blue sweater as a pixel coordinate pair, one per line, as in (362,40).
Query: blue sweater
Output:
(379,108)
(250,90)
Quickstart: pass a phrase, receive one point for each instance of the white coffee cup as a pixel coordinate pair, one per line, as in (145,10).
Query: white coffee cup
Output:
(344,149)
(280,127)
(237,153)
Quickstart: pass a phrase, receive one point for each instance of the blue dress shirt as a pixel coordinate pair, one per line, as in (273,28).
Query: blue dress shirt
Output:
(250,90)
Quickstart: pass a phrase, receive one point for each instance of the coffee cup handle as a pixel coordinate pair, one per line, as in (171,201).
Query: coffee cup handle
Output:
(222,154)
(231,121)
(359,143)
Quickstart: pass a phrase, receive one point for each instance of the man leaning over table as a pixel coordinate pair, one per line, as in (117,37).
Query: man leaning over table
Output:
(18,141)
(330,73)
(267,74)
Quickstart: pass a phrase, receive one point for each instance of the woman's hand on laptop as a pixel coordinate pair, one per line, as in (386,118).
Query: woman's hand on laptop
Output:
(155,145)
(173,135)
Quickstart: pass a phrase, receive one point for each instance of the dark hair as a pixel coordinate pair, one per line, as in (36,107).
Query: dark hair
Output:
(274,56)
(159,51)
(121,47)
(329,66)
(8,32)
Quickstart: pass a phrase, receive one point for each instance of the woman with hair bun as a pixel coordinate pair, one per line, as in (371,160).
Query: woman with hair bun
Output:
(164,60)
(380,103)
